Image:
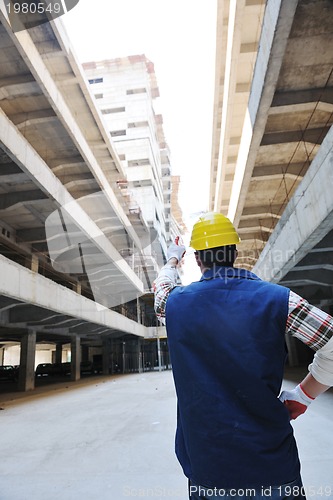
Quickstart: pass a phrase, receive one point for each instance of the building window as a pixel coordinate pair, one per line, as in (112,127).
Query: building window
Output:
(138,163)
(99,96)
(136,91)
(95,80)
(142,183)
(117,133)
(108,111)
(137,124)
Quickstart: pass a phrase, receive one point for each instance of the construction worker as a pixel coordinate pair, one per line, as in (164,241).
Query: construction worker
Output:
(226,336)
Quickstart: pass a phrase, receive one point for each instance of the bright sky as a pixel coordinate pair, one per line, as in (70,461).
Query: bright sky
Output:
(179,37)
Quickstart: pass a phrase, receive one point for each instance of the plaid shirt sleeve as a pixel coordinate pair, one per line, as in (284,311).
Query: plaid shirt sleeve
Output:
(315,328)
(308,323)
(164,283)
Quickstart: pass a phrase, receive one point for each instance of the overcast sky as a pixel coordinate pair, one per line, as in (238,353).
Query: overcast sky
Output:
(178,36)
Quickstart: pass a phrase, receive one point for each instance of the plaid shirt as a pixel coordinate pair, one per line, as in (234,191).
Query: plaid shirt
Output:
(305,322)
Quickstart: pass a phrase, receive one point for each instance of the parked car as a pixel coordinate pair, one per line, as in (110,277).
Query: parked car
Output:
(87,368)
(98,363)
(61,369)
(53,369)
(44,370)
(65,368)
(8,372)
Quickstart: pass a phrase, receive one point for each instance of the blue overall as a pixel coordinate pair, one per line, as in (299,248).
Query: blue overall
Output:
(226,339)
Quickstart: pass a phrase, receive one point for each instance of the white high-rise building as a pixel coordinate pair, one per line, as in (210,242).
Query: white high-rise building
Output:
(125,89)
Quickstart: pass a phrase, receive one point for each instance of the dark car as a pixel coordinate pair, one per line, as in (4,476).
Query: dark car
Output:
(44,370)
(87,368)
(8,372)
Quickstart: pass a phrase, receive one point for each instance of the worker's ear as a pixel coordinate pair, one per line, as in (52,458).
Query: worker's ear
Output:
(198,261)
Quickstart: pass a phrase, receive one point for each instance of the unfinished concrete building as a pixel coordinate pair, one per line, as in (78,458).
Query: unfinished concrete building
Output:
(77,252)
(125,90)
(271,168)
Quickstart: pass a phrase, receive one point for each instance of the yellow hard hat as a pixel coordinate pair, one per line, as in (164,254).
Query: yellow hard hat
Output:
(213,230)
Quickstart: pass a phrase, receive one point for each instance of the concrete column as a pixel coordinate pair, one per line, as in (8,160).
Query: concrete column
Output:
(138,310)
(139,354)
(106,356)
(77,288)
(27,362)
(34,265)
(58,353)
(124,356)
(75,357)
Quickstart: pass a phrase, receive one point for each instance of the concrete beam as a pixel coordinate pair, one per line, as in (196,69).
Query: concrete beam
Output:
(315,276)
(9,169)
(59,324)
(325,245)
(311,136)
(233,44)
(37,121)
(26,286)
(278,20)
(257,222)
(36,213)
(291,170)
(262,211)
(315,294)
(291,97)
(247,48)
(315,260)
(59,163)
(21,152)
(19,90)
(69,180)
(251,3)
(25,313)
(31,235)
(307,219)
(48,49)
(17,79)
(11,199)
(46,82)
(65,80)
(13,178)
(306,107)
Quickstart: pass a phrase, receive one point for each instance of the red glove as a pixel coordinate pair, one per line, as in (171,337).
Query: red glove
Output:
(296,401)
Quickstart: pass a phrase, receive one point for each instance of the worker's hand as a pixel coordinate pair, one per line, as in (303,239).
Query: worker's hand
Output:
(296,401)
(176,250)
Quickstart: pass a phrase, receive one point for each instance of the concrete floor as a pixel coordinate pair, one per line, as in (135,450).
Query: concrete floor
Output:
(109,438)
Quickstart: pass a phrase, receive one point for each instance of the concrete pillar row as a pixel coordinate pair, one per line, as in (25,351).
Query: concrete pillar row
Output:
(106,355)
(27,362)
(75,357)
(58,353)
